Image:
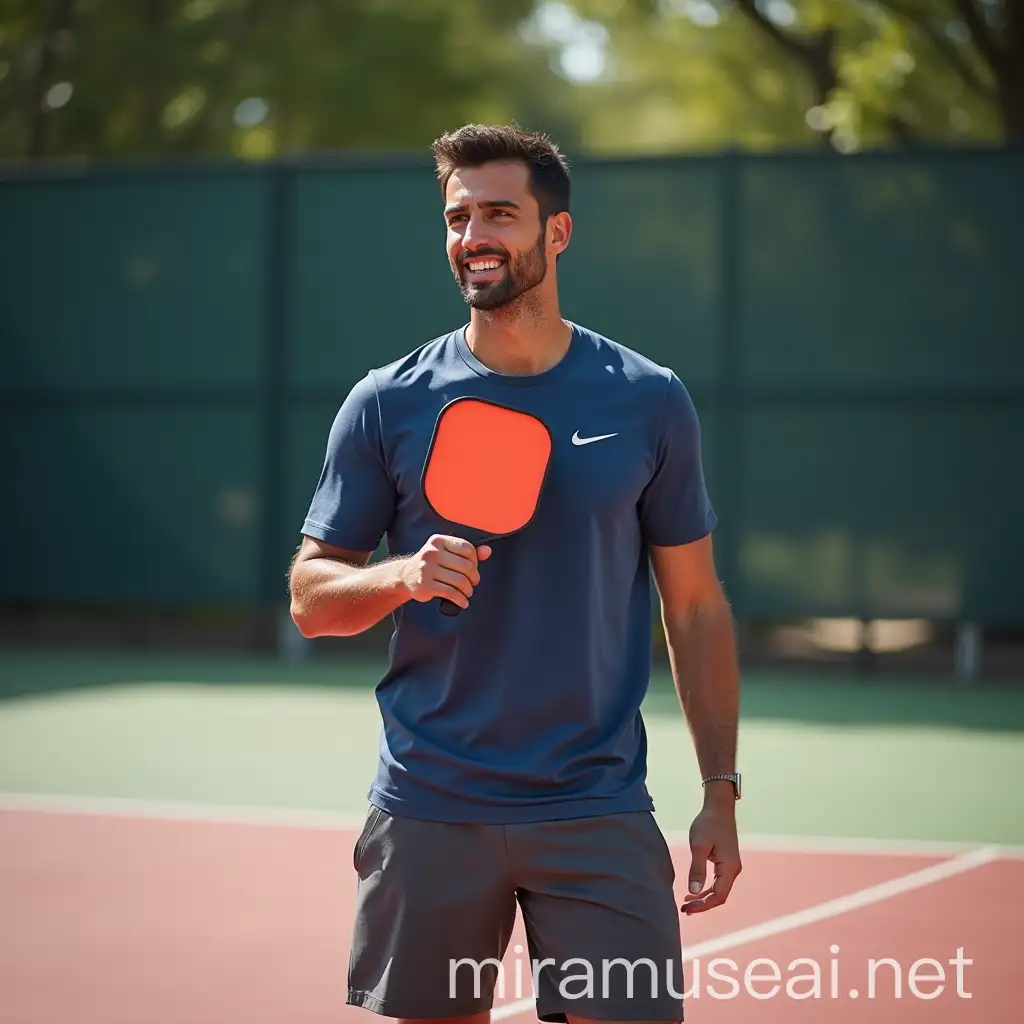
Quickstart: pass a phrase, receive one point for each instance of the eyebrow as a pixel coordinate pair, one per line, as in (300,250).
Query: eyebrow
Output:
(487,204)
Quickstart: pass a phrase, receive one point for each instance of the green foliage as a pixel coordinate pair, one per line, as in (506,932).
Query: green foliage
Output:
(256,78)
(677,83)
(157,77)
(853,73)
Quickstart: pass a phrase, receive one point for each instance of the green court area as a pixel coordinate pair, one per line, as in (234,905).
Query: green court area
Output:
(854,758)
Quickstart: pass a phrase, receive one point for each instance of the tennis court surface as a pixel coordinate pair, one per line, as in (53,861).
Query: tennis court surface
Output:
(176,845)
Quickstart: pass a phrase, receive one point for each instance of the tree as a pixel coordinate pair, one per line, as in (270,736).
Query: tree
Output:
(847,73)
(686,76)
(255,78)
(111,78)
(980,43)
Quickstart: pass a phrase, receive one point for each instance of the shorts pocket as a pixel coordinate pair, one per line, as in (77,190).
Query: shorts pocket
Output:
(372,817)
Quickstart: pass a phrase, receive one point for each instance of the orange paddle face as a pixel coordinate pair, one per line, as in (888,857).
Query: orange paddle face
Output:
(486,467)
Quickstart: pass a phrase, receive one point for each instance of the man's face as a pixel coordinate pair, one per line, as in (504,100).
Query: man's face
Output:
(496,243)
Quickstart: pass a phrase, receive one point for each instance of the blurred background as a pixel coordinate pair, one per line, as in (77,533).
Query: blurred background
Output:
(811,211)
(216,215)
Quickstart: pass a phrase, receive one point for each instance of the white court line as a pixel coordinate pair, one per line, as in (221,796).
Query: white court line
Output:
(288,817)
(167,810)
(963,860)
(853,844)
(811,915)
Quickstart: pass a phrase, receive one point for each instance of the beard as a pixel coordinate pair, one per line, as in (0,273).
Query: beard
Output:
(518,277)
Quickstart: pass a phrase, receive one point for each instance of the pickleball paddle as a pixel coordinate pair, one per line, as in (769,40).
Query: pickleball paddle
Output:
(485,471)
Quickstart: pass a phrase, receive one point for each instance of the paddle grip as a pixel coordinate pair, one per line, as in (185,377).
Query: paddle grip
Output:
(449,608)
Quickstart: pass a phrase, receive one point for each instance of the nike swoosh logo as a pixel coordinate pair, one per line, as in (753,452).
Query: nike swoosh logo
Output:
(576,439)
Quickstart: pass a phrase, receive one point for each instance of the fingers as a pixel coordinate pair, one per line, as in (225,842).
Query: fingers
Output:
(700,906)
(726,872)
(462,547)
(448,569)
(449,594)
(714,897)
(460,564)
(700,854)
(457,546)
(455,554)
(457,582)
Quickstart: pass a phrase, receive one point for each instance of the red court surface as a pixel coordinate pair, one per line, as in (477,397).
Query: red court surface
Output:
(118,919)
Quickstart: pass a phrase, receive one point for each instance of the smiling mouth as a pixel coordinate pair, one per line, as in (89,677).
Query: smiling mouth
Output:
(482,265)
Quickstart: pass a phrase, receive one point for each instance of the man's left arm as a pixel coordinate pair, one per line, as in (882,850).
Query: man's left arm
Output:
(702,652)
(677,520)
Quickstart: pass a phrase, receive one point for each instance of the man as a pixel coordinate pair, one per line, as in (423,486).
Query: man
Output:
(513,754)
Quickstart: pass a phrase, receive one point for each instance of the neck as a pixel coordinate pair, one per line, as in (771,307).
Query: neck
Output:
(526,337)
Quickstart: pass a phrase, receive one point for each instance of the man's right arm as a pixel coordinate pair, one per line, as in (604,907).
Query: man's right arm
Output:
(335,592)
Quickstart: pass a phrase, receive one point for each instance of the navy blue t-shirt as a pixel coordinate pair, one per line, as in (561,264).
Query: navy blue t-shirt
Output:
(525,706)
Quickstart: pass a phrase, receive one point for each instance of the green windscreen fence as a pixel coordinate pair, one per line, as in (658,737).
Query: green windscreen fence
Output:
(174,344)
(880,375)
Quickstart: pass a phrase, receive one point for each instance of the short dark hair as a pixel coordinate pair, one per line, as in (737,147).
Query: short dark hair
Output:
(473,145)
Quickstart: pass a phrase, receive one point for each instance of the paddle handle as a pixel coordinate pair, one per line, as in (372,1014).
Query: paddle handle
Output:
(449,608)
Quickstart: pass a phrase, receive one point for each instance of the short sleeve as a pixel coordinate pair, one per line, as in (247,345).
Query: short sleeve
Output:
(675,507)
(354,500)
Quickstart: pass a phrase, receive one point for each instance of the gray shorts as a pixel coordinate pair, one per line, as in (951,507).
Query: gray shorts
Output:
(436,904)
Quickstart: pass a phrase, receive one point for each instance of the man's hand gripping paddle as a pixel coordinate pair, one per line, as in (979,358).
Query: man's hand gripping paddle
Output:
(485,471)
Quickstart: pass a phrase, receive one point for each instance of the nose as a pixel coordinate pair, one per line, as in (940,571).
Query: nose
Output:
(475,234)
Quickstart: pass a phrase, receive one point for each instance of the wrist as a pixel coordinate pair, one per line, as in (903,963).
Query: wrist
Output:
(719,793)
(396,582)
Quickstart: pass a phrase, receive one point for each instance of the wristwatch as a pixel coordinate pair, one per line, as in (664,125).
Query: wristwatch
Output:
(733,778)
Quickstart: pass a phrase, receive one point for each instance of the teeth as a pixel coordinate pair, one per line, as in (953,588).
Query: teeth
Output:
(483,264)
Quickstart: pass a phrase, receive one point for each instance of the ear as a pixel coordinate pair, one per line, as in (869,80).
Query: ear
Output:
(559,232)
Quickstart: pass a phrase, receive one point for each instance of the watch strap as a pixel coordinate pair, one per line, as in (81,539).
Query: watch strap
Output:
(734,778)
